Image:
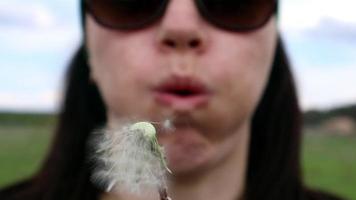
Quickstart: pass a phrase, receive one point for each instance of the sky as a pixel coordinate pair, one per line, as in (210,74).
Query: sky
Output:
(38,38)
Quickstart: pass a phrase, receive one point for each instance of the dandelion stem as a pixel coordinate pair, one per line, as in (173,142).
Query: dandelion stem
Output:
(163,194)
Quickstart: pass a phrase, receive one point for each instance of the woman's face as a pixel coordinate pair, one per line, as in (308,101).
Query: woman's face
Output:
(208,80)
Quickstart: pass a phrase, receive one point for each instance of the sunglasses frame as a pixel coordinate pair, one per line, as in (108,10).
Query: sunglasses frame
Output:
(160,12)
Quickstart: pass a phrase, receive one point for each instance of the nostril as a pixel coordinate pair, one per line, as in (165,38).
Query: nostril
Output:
(169,43)
(194,43)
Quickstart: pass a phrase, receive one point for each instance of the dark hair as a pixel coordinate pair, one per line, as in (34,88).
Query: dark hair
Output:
(274,157)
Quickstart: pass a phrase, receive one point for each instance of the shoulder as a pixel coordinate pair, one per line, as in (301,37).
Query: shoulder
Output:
(21,190)
(319,195)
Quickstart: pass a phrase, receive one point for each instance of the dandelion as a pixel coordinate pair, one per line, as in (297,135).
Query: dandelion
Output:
(129,158)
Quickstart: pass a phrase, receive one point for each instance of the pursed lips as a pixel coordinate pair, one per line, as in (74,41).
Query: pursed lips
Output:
(182,93)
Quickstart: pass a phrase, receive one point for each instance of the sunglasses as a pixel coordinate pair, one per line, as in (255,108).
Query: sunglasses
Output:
(234,15)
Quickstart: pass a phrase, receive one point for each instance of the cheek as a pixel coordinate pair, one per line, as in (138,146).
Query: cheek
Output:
(114,53)
(117,67)
(240,74)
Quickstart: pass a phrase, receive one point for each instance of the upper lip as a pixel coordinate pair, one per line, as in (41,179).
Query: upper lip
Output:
(182,87)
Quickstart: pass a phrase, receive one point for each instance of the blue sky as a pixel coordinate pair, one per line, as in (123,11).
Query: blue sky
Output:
(38,37)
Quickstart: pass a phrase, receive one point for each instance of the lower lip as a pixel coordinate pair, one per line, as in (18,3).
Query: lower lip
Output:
(180,102)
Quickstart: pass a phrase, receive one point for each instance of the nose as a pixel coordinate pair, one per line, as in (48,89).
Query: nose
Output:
(181,28)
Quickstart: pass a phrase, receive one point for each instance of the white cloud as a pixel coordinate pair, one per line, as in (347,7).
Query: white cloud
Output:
(325,88)
(29,14)
(39,40)
(333,29)
(39,101)
(304,14)
(35,46)
(34,26)
(320,36)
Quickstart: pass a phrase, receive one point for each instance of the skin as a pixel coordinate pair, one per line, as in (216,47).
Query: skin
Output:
(209,148)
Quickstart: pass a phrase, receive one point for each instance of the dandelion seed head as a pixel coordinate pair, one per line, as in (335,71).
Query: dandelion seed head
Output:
(147,129)
(125,161)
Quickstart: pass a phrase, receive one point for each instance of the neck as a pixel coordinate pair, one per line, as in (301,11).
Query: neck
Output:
(223,181)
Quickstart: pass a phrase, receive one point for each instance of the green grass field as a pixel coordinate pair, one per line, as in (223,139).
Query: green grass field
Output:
(329,161)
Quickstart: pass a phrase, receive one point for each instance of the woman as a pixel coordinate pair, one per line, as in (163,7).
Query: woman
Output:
(218,68)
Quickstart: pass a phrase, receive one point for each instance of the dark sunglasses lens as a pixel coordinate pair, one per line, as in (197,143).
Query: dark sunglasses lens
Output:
(124,13)
(238,14)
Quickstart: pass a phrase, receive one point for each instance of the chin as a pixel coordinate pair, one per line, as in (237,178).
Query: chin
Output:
(186,150)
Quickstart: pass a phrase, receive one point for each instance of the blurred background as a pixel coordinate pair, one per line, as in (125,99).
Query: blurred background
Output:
(38,38)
